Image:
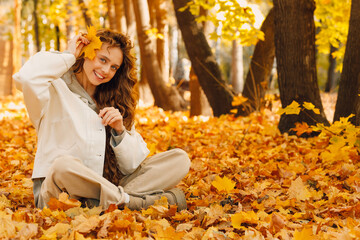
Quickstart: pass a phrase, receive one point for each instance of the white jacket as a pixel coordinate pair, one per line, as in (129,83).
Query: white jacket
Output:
(64,123)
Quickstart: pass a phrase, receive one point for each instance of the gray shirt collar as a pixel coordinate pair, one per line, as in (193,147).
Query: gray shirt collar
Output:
(74,86)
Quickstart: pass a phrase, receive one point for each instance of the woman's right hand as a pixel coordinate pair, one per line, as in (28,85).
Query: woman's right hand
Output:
(76,44)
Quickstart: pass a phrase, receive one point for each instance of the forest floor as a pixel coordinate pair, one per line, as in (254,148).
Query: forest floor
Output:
(247,181)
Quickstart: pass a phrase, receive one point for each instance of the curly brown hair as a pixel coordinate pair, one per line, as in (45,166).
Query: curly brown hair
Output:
(119,93)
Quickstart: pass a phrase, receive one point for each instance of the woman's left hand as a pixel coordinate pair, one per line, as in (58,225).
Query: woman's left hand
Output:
(111,116)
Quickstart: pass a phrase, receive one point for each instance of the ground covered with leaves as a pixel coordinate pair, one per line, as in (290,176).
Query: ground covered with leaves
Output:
(247,181)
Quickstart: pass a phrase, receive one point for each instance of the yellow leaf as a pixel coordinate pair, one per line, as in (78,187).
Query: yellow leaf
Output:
(243,217)
(223,184)
(293,108)
(238,100)
(310,106)
(95,43)
(306,233)
(298,190)
(58,229)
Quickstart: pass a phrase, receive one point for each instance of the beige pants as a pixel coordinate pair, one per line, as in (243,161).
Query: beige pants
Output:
(157,173)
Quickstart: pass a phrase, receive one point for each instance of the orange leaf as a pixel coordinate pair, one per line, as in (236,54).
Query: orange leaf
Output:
(301,128)
(63,203)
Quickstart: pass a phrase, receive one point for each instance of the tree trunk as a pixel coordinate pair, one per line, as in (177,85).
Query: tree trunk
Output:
(203,61)
(6,71)
(199,104)
(17,37)
(130,18)
(331,81)
(120,16)
(260,68)
(165,97)
(348,101)
(69,20)
(57,33)
(162,43)
(36,26)
(237,67)
(296,64)
(111,14)
(84,10)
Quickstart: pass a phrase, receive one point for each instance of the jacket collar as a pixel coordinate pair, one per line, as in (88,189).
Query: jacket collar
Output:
(75,87)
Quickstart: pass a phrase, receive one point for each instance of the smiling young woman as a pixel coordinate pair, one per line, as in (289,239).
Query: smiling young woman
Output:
(83,111)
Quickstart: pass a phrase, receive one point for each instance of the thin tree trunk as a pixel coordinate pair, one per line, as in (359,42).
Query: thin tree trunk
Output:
(237,67)
(348,101)
(120,16)
(6,71)
(36,26)
(162,43)
(199,105)
(165,97)
(173,49)
(84,10)
(17,37)
(260,68)
(331,81)
(68,20)
(57,33)
(203,61)
(296,64)
(111,14)
(130,18)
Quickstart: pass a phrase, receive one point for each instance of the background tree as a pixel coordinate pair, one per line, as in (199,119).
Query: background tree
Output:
(203,61)
(348,101)
(296,64)
(262,62)
(166,97)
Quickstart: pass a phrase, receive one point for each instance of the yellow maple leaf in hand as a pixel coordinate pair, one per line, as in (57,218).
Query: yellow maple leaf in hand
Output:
(223,184)
(95,43)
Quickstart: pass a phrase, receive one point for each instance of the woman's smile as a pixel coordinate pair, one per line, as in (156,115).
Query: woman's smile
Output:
(99,76)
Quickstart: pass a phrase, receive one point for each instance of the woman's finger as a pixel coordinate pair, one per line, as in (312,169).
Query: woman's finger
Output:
(110,115)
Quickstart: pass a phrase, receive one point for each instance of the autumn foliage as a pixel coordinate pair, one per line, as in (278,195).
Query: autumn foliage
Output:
(247,181)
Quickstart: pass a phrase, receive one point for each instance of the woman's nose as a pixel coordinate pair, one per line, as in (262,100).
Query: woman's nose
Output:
(106,69)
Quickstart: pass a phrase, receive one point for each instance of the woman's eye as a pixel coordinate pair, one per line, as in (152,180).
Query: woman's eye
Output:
(102,60)
(114,68)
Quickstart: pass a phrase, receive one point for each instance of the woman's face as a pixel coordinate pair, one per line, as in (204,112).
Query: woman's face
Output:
(104,66)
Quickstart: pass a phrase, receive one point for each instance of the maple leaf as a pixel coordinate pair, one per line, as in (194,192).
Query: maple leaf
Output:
(85,225)
(293,108)
(244,217)
(306,233)
(63,203)
(277,222)
(223,184)
(95,43)
(53,232)
(238,100)
(298,190)
(301,128)
(167,233)
(4,202)
(310,106)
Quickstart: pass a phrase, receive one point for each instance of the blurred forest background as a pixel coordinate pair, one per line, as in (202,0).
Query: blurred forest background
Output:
(199,55)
